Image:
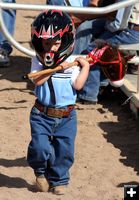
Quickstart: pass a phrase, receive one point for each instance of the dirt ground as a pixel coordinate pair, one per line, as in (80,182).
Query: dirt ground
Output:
(107,144)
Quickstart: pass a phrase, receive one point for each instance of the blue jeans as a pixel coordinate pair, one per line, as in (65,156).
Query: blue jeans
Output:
(51,150)
(55,2)
(9,20)
(88,31)
(83,37)
(91,88)
(95,79)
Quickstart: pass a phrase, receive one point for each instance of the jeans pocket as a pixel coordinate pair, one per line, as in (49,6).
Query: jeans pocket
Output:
(73,114)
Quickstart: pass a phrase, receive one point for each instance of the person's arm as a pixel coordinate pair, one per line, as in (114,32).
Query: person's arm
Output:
(35,67)
(82,77)
(80,80)
(79,18)
(40,80)
(120,21)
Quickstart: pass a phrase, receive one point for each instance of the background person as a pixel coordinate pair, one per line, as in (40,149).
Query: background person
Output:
(5,46)
(123,29)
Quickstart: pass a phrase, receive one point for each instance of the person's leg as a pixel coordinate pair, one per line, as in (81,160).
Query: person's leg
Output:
(128,36)
(9,20)
(96,78)
(83,37)
(63,143)
(5,46)
(55,2)
(40,151)
(89,93)
(90,90)
(86,33)
(104,36)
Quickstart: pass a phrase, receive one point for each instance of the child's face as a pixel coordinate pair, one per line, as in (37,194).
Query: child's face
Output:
(51,45)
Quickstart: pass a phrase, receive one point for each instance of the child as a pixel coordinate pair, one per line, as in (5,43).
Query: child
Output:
(53,117)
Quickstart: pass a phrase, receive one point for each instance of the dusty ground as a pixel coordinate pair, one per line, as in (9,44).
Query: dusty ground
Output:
(107,145)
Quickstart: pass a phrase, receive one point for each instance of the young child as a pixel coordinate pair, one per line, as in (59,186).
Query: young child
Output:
(53,117)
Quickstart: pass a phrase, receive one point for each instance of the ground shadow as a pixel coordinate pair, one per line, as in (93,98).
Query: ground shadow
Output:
(15,182)
(19,162)
(12,108)
(19,67)
(123,134)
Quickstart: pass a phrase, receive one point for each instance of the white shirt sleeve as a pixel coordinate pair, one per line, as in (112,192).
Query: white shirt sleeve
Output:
(75,69)
(36,65)
(75,74)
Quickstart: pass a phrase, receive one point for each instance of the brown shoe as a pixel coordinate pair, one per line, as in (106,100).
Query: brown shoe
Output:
(59,190)
(42,184)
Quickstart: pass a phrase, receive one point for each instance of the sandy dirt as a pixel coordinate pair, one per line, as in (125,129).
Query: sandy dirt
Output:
(107,144)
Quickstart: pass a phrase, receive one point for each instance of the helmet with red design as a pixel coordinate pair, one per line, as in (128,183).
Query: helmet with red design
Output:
(53,25)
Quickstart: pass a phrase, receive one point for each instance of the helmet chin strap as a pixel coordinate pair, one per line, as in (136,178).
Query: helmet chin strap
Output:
(49,59)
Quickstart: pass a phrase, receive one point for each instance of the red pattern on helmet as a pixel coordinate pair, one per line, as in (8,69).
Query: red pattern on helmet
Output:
(57,11)
(50,32)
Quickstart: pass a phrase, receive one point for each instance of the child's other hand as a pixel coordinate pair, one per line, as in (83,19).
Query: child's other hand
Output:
(82,61)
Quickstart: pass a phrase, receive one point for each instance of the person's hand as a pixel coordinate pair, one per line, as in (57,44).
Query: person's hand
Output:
(82,61)
(77,21)
(95,3)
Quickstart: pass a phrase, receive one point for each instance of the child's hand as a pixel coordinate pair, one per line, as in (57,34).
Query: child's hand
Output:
(82,61)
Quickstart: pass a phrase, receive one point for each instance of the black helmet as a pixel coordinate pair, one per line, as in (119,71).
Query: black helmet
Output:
(55,25)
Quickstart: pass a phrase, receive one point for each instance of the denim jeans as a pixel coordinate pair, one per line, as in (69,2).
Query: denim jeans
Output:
(91,88)
(9,20)
(87,32)
(55,2)
(51,150)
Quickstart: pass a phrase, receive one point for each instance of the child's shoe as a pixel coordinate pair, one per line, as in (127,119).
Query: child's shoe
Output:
(42,184)
(59,190)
